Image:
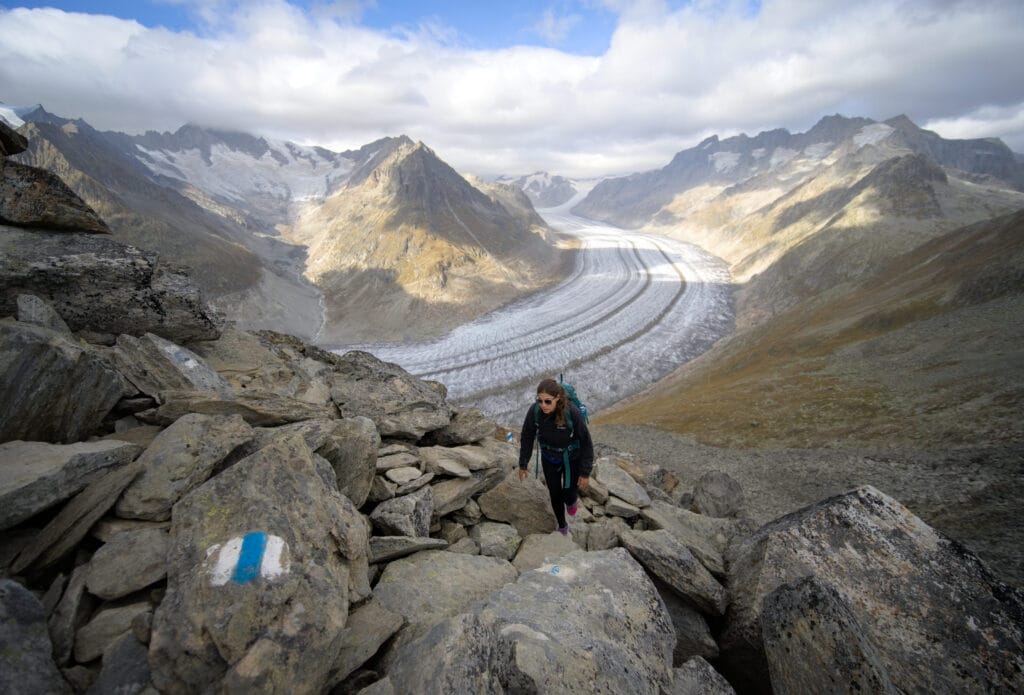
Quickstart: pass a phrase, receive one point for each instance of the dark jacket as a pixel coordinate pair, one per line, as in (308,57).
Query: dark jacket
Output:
(551,435)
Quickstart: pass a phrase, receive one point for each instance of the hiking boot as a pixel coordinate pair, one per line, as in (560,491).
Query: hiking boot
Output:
(564,530)
(572,510)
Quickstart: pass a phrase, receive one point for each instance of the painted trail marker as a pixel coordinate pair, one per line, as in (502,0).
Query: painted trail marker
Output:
(244,558)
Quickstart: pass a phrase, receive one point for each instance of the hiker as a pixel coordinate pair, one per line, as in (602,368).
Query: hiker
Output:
(566,450)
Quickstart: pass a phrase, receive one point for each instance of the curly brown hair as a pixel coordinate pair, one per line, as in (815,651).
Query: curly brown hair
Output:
(553,388)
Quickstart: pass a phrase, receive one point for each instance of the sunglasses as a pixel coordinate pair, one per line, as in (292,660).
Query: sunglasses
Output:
(547,401)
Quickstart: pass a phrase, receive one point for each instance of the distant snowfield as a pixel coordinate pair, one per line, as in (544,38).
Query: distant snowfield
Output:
(635,307)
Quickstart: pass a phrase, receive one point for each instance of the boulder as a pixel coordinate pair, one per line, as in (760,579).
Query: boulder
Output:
(368,627)
(524,504)
(540,548)
(101,285)
(698,677)
(107,528)
(180,459)
(938,619)
(35,475)
(813,643)
(66,530)
(617,639)
(39,312)
(52,388)
(620,508)
(705,536)
(496,540)
(454,493)
(604,533)
(693,635)
(268,362)
(387,548)
(26,658)
(349,445)
(258,409)
(433,585)
(399,404)
(105,628)
(717,494)
(619,483)
(153,364)
(467,545)
(261,571)
(665,557)
(408,515)
(125,668)
(70,614)
(129,562)
(466,427)
(33,197)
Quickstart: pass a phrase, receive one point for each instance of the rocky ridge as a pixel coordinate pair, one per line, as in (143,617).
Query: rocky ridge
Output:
(245,512)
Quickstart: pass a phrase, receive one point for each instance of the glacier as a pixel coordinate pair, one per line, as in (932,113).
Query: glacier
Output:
(634,308)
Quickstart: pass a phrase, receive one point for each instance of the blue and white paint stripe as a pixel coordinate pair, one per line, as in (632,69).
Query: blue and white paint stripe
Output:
(244,558)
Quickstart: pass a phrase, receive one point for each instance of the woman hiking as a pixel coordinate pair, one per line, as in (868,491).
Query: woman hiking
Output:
(566,450)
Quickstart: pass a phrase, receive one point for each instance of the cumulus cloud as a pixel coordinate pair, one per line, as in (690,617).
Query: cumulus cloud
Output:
(669,78)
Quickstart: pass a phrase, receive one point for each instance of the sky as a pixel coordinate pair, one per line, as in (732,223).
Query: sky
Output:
(581,88)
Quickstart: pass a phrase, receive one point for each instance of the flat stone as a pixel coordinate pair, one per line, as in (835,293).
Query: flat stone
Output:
(619,483)
(542,548)
(105,628)
(616,507)
(403,475)
(667,558)
(37,475)
(385,548)
(129,562)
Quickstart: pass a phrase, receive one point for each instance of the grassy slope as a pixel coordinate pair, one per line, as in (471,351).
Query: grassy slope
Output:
(927,351)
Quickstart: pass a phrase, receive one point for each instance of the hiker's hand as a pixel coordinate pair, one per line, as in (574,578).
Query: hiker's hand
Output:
(583,482)
(522,475)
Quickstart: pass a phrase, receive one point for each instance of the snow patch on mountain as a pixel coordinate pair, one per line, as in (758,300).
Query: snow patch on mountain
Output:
(872,134)
(724,161)
(286,171)
(8,114)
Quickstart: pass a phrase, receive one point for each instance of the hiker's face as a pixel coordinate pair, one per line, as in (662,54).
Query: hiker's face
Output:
(547,402)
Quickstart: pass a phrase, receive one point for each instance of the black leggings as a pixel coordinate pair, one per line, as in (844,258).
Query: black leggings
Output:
(561,497)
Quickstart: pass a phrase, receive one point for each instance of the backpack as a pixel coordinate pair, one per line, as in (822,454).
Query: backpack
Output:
(570,392)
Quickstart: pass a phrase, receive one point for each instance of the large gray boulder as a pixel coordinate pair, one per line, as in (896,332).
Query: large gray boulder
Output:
(262,557)
(33,197)
(466,427)
(401,405)
(526,505)
(814,643)
(52,388)
(39,312)
(706,537)
(616,639)
(433,585)
(37,475)
(258,409)
(717,494)
(698,677)
(350,445)
(408,515)
(72,523)
(180,459)
(938,619)
(537,549)
(101,285)
(454,493)
(153,365)
(268,361)
(619,483)
(496,540)
(129,562)
(26,659)
(665,557)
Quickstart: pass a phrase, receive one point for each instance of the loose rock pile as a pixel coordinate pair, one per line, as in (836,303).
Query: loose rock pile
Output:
(241,512)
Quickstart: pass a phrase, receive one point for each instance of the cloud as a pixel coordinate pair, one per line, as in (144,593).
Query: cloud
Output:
(553,28)
(669,78)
